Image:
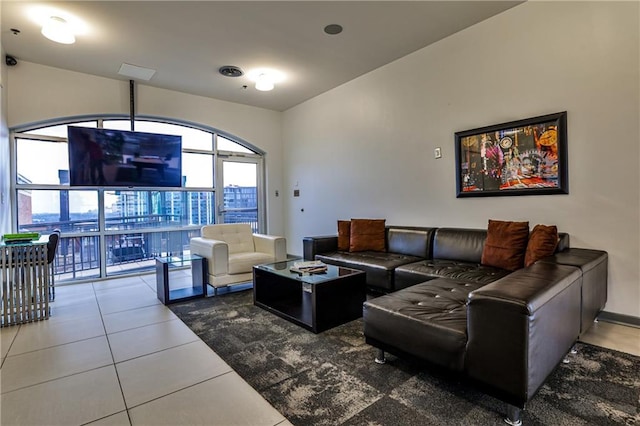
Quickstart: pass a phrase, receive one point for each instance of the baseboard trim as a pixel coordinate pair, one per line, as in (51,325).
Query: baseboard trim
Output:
(619,319)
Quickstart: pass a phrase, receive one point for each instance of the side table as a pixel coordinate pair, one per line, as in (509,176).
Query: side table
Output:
(165,265)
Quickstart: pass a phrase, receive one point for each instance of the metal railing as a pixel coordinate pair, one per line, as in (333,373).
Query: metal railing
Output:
(79,256)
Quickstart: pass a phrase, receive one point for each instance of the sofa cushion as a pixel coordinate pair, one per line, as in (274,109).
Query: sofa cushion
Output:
(344,235)
(506,244)
(428,320)
(378,266)
(542,243)
(460,244)
(424,270)
(240,263)
(413,241)
(367,235)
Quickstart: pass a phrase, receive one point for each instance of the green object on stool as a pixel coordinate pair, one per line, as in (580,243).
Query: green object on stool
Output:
(24,236)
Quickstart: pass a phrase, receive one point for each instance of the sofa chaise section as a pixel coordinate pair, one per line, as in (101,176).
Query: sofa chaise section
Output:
(503,330)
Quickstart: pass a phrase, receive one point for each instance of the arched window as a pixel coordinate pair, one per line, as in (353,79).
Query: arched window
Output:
(108,231)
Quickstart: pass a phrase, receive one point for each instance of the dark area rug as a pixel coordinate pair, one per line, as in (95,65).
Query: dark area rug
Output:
(331,379)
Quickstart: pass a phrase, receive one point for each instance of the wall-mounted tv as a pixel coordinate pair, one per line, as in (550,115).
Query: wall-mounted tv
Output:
(105,157)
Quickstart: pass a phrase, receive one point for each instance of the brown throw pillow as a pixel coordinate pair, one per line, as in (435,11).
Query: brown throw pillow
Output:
(367,235)
(344,234)
(542,243)
(505,245)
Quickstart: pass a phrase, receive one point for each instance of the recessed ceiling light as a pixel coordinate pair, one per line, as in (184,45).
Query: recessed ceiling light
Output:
(58,30)
(333,29)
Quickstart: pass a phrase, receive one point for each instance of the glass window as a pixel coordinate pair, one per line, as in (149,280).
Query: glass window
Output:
(46,210)
(191,138)
(127,210)
(197,170)
(200,208)
(60,130)
(157,209)
(137,251)
(225,144)
(140,224)
(77,258)
(42,162)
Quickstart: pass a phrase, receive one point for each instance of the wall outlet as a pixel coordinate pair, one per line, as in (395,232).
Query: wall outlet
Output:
(296,192)
(277,193)
(437,153)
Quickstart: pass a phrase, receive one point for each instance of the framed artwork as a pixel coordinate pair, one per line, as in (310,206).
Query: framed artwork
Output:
(524,157)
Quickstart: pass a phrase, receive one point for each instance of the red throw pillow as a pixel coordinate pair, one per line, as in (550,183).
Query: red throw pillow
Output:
(344,234)
(542,243)
(367,235)
(505,245)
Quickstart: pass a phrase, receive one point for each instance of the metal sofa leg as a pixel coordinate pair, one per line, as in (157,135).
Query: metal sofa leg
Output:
(380,359)
(513,415)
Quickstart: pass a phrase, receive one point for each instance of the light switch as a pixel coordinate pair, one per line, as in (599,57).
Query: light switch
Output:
(296,192)
(437,153)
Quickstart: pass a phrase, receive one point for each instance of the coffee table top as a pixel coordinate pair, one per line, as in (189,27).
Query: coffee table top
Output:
(282,268)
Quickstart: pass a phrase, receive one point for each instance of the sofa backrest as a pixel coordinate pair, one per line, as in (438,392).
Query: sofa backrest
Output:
(411,241)
(459,244)
(467,244)
(238,236)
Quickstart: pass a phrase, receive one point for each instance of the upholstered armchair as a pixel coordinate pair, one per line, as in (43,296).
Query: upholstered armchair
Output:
(233,249)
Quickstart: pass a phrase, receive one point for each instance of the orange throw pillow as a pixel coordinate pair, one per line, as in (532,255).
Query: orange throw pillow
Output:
(542,243)
(367,235)
(505,245)
(344,234)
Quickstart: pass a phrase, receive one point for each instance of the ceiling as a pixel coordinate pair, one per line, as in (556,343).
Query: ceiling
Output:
(187,42)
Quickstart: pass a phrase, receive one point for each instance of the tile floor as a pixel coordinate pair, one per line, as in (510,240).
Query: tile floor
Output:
(112,354)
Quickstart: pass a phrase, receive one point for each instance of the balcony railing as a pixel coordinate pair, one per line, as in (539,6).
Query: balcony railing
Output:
(80,257)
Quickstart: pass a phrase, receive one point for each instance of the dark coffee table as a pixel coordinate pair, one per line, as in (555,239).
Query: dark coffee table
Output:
(316,302)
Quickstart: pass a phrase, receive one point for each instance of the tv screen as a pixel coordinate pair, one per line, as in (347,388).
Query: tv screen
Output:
(104,157)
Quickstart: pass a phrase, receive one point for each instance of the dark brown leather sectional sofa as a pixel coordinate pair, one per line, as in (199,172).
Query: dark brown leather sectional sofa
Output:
(503,331)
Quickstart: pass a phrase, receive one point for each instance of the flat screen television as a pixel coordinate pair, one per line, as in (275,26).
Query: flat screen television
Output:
(105,157)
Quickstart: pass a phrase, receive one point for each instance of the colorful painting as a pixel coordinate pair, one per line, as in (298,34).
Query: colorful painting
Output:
(525,157)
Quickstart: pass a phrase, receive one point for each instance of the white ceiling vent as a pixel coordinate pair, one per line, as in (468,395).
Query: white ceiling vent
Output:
(135,72)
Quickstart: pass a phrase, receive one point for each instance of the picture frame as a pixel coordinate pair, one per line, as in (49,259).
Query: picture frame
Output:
(523,157)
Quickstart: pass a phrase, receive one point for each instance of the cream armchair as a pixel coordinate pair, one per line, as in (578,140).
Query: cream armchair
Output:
(232,250)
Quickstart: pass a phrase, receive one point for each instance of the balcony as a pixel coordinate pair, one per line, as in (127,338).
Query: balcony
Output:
(129,244)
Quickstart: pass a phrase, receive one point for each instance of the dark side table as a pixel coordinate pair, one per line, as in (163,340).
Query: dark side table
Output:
(164,266)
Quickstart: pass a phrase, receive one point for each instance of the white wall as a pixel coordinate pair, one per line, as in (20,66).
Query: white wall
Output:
(42,93)
(5,210)
(365,149)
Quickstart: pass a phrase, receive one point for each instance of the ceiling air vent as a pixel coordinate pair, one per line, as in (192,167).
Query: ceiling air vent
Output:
(230,71)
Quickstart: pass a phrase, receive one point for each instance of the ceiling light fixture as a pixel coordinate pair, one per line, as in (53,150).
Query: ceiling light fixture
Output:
(265,79)
(264,83)
(58,30)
